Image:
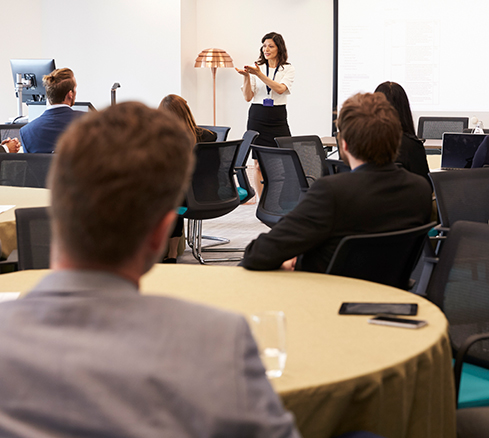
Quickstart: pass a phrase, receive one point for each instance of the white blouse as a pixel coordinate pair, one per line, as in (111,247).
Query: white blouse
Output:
(285,75)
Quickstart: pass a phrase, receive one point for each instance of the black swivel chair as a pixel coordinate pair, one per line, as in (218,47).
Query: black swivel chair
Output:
(336,166)
(24,170)
(245,190)
(459,285)
(311,154)
(284,183)
(221,131)
(434,127)
(461,195)
(387,258)
(33,237)
(212,193)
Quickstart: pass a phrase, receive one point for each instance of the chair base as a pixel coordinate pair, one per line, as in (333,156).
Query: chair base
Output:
(194,239)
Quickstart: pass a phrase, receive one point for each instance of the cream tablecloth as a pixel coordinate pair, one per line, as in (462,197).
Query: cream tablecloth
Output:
(342,374)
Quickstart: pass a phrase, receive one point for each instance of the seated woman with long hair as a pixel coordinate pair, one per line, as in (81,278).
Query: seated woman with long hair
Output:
(178,106)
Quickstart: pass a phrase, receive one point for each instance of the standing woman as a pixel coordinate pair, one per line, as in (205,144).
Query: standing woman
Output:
(267,85)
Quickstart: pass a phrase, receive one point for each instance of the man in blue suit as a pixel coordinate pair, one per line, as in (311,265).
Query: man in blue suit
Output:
(40,135)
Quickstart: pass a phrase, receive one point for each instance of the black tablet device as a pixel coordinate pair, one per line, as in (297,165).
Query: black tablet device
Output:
(378,308)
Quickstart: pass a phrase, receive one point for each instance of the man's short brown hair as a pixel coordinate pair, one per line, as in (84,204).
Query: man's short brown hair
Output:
(58,84)
(370,126)
(115,175)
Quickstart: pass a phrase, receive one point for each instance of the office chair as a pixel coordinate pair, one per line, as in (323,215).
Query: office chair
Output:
(245,190)
(386,258)
(33,237)
(212,193)
(24,170)
(461,195)
(336,166)
(284,183)
(311,154)
(459,285)
(434,127)
(221,131)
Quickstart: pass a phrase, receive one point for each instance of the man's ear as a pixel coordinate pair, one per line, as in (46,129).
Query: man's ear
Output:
(159,236)
(344,144)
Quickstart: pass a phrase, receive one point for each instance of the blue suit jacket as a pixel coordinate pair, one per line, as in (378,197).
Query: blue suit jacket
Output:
(40,135)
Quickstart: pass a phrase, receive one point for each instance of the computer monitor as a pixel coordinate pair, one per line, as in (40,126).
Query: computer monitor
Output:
(32,72)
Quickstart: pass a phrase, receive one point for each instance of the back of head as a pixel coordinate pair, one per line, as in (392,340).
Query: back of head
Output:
(371,128)
(398,98)
(178,106)
(58,83)
(115,175)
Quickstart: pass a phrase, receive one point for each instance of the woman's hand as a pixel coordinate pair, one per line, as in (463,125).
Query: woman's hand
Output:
(252,70)
(242,72)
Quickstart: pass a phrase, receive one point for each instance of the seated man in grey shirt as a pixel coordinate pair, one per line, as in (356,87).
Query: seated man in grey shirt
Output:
(84,353)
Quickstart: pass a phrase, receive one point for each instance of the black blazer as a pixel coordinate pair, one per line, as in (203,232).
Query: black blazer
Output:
(368,200)
(412,156)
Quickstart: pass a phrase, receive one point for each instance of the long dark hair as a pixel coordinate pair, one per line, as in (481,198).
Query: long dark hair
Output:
(398,99)
(282,50)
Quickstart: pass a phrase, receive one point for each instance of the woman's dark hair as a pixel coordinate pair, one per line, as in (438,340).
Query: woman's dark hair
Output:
(398,99)
(282,50)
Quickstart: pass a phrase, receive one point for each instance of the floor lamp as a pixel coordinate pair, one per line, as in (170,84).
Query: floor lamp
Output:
(213,59)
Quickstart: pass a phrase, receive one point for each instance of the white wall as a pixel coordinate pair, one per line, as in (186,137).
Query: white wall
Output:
(150,46)
(135,43)
(238,28)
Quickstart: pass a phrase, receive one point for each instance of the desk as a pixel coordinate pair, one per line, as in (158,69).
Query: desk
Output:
(342,373)
(20,197)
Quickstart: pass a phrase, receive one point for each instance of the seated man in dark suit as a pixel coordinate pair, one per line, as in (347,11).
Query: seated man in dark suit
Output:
(84,353)
(41,134)
(376,196)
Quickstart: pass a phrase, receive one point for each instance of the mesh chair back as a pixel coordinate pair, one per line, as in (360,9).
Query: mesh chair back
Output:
(10,130)
(336,166)
(221,131)
(33,237)
(459,285)
(387,258)
(311,154)
(462,195)
(284,183)
(241,160)
(434,127)
(24,170)
(212,192)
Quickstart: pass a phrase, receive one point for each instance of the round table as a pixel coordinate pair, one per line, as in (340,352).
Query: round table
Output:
(21,197)
(342,374)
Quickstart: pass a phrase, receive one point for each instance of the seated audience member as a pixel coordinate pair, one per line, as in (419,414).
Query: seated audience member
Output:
(178,106)
(85,353)
(376,196)
(10,145)
(481,157)
(41,134)
(412,154)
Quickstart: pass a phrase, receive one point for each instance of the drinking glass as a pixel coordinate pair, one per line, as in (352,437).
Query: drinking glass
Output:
(269,331)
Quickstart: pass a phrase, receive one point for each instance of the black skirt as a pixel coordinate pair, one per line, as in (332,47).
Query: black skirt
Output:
(270,122)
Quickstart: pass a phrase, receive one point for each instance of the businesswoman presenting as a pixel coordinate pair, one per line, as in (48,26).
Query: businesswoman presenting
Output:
(267,85)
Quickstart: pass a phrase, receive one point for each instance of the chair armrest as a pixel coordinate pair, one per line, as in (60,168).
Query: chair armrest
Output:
(459,359)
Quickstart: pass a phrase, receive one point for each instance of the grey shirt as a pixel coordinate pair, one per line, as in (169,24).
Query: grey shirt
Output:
(84,354)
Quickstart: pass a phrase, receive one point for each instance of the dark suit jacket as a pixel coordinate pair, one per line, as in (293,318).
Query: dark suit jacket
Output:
(412,156)
(40,135)
(368,200)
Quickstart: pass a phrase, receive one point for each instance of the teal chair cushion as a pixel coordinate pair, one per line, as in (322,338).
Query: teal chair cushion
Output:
(474,387)
(181,210)
(242,193)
